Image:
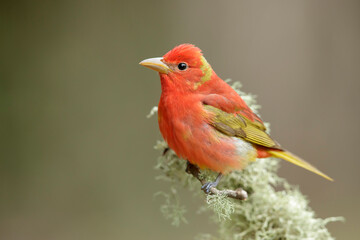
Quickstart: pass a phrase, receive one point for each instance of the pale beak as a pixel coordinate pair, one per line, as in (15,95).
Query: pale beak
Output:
(155,64)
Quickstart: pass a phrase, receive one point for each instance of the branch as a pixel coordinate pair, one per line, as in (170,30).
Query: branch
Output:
(239,193)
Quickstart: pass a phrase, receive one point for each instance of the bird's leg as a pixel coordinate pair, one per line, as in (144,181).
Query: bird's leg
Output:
(207,186)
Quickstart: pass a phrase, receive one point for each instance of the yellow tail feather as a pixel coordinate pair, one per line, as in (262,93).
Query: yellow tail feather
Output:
(297,161)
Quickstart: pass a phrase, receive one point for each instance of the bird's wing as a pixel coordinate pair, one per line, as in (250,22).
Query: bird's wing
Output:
(238,125)
(239,122)
(231,102)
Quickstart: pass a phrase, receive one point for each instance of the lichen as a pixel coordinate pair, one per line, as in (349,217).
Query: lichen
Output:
(221,205)
(172,209)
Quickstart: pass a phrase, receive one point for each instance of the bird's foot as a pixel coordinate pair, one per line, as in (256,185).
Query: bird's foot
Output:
(207,186)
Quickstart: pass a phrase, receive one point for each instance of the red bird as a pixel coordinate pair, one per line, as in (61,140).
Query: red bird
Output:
(205,121)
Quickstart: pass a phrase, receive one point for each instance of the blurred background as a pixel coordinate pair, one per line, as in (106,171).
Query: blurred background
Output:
(77,151)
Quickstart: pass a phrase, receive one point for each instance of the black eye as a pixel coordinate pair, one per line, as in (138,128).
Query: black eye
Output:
(182,66)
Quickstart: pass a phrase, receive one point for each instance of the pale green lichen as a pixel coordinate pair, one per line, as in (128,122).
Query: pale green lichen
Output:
(267,214)
(221,205)
(172,209)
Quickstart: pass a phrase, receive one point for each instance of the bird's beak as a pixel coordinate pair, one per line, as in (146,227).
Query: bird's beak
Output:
(156,64)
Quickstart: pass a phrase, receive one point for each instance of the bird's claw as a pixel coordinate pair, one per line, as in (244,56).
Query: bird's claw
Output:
(207,186)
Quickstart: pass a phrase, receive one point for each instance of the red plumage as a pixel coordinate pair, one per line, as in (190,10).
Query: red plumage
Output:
(182,120)
(205,121)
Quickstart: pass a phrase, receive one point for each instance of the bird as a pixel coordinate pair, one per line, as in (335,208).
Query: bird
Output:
(206,122)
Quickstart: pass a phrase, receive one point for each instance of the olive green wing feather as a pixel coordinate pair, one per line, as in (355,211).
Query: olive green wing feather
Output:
(232,124)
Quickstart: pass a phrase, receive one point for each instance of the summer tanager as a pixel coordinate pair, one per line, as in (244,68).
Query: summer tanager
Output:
(205,121)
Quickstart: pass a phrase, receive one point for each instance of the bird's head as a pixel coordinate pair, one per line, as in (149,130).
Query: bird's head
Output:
(183,68)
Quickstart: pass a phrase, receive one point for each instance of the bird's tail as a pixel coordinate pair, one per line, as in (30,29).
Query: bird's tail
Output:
(297,161)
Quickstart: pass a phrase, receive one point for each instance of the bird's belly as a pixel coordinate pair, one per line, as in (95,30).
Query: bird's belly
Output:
(204,146)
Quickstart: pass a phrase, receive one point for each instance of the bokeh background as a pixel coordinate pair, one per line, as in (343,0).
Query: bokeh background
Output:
(77,152)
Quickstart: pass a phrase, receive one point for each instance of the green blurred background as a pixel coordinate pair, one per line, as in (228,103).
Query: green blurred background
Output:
(77,150)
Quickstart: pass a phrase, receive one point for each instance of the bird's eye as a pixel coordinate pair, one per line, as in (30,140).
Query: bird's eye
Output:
(182,66)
